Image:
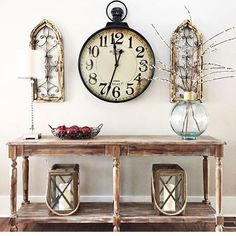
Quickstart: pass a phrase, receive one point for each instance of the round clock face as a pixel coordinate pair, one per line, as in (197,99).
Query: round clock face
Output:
(113,64)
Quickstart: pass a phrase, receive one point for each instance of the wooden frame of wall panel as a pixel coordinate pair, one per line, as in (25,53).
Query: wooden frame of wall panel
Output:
(60,96)
(175,58)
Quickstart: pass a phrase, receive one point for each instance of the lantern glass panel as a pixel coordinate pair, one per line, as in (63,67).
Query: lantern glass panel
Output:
(168,189)
(63,191)
(171,194)
(62,187)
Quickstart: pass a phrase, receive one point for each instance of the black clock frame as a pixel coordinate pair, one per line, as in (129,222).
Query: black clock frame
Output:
(115,25)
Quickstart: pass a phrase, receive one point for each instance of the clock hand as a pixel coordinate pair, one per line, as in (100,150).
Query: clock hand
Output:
(115,54)
(114,71)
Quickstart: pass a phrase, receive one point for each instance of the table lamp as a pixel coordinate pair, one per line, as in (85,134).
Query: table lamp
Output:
(31,65)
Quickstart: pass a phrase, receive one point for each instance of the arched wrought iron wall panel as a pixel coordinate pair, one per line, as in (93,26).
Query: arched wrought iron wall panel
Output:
(186,62)
(46,37)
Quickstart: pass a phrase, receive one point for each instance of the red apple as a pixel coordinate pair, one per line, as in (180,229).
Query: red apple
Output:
(61,130)
(86,130)
(75,127)
(73,130)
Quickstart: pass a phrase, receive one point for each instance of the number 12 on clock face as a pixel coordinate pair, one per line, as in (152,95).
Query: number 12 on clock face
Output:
(113,64)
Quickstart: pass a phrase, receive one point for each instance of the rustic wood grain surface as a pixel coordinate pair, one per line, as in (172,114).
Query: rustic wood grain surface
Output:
(230,226)
(103,212)
(115,147)
(118,140)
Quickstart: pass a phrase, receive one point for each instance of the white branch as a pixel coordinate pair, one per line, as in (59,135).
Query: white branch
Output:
(161,37)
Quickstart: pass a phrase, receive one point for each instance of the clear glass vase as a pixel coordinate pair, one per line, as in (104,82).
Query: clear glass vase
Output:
(189,119)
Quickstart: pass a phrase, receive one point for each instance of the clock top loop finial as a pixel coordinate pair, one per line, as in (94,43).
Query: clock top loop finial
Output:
(117,12)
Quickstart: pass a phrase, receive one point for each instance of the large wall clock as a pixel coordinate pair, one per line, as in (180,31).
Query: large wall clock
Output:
(113,62)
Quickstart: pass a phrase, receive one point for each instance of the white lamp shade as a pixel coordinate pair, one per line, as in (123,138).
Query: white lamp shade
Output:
(30,64)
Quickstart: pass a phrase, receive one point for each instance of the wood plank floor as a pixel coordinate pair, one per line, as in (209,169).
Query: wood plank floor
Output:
(230,226)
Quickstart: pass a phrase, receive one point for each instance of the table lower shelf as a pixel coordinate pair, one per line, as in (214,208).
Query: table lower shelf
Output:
(103,212)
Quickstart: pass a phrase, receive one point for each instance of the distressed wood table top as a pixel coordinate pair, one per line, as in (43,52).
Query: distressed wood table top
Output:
(119,140)
(134,145)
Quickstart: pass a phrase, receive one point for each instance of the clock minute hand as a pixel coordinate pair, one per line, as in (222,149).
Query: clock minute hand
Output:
(115,53)
(114,71)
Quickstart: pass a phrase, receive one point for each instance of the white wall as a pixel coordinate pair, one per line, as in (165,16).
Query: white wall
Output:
(77,20)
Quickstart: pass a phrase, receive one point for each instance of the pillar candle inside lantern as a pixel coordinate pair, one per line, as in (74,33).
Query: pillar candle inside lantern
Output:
(63,205)
(170,204)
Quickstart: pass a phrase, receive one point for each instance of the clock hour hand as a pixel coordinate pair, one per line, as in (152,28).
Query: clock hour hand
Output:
(114,71)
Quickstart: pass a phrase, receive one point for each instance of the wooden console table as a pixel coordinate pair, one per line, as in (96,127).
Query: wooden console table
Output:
(115,147)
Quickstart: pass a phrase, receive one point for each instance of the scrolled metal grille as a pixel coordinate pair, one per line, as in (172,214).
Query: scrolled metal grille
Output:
(47,38)
(186,60)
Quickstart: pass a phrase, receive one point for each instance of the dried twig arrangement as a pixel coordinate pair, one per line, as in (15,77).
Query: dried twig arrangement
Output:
(188,70)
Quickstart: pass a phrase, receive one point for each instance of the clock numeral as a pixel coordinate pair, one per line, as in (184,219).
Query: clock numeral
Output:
(130,42)
(140,51)
(143,65)
(89,64)
(130,89)
(103,41)
(103,85)
(117,38)
(116,92)
(94,51)
(93,78)
(138,78)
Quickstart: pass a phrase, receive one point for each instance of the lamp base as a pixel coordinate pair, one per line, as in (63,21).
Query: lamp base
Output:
(32,136)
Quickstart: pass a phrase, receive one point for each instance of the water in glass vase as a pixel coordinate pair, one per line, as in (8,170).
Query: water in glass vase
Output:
(189,119)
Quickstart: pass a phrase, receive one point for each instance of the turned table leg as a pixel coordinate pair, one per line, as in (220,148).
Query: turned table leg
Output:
(13,189)
(206,180)
(218,189)
(25,176)
(116,188)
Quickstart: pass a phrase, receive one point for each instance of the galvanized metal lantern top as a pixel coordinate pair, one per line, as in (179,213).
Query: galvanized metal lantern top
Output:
(62,189)
(168,189)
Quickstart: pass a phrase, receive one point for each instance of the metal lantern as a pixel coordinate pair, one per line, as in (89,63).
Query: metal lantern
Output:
(169,195)
(63,189)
